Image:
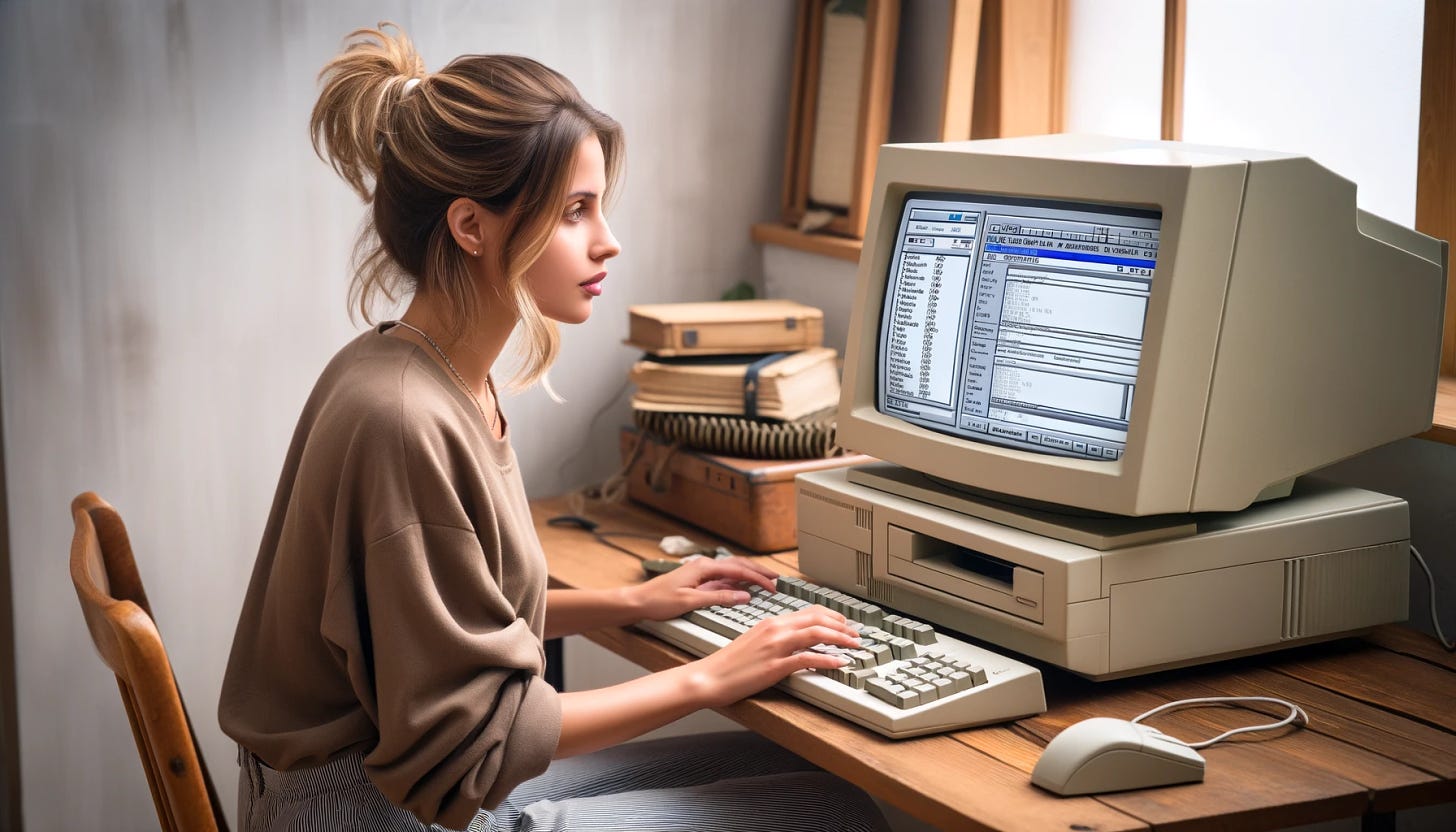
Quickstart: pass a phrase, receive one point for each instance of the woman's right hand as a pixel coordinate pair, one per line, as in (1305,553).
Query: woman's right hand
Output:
(771,650)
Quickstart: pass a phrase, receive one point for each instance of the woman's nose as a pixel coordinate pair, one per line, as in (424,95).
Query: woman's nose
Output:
(606,244)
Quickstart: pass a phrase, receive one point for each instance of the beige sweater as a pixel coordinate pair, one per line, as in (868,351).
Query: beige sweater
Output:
(399,596)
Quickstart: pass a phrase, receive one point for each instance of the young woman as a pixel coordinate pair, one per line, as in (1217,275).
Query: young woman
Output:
(386,671)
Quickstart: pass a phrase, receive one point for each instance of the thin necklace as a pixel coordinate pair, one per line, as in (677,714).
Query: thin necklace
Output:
(456,373)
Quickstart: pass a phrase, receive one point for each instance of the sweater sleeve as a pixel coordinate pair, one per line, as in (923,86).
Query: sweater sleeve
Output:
(449,672)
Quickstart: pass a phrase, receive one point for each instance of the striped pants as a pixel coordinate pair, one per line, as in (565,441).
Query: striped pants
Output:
(705,783)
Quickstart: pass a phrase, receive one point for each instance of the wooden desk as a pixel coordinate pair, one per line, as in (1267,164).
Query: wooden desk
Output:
(1382,738)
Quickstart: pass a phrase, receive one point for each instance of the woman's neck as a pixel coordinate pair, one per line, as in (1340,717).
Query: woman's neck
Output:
(474,351)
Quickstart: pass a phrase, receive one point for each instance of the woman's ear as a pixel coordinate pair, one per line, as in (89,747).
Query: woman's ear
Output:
(475,229)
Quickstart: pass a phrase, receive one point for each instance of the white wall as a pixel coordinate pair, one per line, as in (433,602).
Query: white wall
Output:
(173,277)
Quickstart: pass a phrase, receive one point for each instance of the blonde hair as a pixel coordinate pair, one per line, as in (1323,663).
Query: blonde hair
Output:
(502,130)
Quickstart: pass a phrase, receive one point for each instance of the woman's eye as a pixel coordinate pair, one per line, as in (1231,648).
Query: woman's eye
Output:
(576,213)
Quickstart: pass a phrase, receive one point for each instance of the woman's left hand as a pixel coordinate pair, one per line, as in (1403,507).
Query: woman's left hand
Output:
(700,582)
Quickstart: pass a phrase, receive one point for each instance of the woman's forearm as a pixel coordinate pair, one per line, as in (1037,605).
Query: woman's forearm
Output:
(595,719)
(768,652)
(572,611)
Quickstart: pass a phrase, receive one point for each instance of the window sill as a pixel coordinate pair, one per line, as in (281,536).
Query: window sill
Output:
(1444,427)
(827,245)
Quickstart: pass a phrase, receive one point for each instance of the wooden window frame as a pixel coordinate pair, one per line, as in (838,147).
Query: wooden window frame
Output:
(993,90)
(989,90)
(1436,186)
(1175,18)
(873,127)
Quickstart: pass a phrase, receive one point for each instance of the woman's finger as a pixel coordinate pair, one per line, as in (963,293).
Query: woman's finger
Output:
(814,660)
(720,570)
(724,597)
(755,566)
(816,614)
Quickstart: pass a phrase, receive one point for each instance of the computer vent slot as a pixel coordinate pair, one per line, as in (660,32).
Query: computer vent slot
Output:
(1293,598)
(865,581)
(1341,591)
(862,517)
(814,495)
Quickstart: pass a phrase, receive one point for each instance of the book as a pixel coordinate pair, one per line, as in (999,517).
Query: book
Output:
(724,327)
(785,386)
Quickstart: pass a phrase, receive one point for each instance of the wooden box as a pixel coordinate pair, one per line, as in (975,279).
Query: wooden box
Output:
(750,502)
(724,327)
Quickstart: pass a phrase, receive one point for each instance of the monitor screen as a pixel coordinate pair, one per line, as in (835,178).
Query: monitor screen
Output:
(1017,322)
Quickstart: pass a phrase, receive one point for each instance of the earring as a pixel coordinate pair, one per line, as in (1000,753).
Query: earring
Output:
(475,253)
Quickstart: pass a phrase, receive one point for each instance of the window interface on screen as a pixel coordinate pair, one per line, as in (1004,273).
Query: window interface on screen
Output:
(1017,321)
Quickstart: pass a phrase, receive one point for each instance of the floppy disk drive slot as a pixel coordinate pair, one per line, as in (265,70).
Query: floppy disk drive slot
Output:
(965,572)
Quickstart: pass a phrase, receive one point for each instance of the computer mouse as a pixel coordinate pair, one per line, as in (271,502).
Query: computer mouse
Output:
(1110,755)
(658,566)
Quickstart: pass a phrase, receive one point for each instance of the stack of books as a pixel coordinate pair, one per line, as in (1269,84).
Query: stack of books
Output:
(750,359)
(733,399)
(786,386)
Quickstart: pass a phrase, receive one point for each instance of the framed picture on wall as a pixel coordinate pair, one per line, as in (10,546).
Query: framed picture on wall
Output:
(839,111)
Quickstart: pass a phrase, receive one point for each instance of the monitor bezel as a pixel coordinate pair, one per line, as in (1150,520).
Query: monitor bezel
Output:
(1199,198)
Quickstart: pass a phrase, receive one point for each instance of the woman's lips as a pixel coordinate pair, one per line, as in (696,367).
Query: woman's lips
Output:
(593,287)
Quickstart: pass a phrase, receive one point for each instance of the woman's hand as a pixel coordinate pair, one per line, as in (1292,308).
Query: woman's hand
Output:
(699,582)
(771,650)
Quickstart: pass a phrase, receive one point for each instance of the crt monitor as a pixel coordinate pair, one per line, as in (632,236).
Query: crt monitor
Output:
(1132,327)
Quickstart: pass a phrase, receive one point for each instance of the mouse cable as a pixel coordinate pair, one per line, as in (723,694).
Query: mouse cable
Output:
(1431,580)
(1296,714)
(574,521)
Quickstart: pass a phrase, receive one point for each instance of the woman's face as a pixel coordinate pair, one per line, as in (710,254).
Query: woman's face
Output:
(572,269)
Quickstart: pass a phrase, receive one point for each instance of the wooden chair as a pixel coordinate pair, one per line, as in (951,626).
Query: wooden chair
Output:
(121,625)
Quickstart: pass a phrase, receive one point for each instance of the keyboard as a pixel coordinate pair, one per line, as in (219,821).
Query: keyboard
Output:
(905,680)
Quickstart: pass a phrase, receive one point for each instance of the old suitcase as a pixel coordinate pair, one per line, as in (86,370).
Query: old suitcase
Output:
(747,501)
(724,327)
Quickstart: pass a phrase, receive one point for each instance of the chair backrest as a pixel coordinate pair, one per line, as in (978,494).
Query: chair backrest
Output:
(121,625)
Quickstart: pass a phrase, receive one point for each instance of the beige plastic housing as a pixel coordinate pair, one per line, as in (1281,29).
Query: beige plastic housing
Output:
(1286,328)
(1325,562)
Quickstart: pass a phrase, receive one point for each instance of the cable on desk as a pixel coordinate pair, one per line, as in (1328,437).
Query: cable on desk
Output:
(594,529)
(1296,714)
(1431,580)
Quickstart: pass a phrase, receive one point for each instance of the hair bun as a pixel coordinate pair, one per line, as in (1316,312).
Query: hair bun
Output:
(361,87)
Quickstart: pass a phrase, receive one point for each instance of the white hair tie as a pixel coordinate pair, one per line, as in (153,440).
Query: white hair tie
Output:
(409,85)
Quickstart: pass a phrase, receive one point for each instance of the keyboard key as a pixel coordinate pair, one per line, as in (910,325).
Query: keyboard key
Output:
(879,687)
(872,615)
(883,653)
(894,624)
(837,674)
(725,627)
(887,692)
(923,633)
(903,648)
